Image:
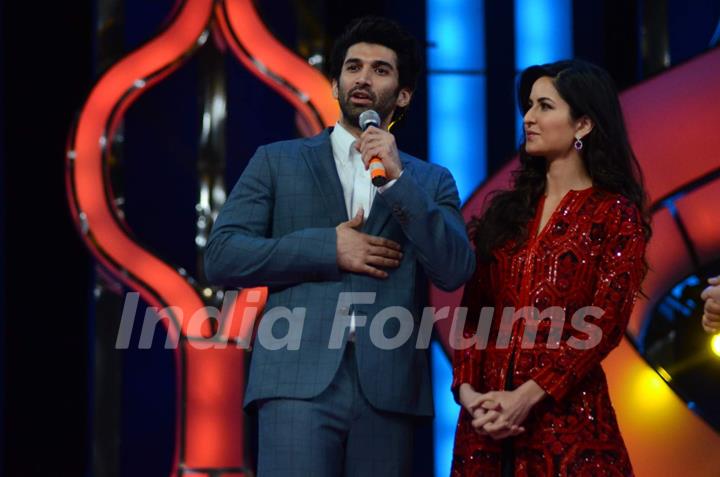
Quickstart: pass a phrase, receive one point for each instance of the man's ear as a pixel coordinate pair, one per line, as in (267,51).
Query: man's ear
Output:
(404,97)
(335,88)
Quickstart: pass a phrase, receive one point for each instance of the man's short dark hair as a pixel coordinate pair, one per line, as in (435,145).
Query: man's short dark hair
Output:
(387,33)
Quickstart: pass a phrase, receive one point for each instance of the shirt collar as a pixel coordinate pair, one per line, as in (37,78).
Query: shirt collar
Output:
(343,143)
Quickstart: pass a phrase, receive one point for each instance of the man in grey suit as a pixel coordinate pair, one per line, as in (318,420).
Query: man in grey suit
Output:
(305,220)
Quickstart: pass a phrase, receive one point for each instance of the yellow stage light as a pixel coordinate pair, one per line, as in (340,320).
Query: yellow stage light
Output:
(715,344)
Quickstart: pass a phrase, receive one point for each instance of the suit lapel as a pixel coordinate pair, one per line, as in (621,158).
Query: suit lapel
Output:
(317,153)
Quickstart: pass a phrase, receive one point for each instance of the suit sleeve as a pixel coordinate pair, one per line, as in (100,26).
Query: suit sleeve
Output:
(240,251)
(435,227)
(619,278)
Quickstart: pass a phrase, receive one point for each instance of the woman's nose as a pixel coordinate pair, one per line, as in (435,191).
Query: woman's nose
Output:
(528,118)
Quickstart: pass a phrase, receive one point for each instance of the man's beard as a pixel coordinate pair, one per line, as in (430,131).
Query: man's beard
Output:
(383,105)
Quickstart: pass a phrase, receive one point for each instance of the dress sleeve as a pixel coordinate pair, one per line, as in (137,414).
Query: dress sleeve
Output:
(620,274)
(466,362)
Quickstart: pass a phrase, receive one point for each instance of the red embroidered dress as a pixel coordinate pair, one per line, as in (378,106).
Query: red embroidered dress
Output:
(588,254)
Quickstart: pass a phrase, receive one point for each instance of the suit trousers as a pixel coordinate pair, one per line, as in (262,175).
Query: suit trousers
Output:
(337,433)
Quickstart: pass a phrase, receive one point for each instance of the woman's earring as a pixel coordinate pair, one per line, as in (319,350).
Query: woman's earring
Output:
(578,144)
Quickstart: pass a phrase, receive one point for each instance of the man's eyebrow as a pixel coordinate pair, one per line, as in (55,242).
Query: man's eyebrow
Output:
(374,63)
(383,63)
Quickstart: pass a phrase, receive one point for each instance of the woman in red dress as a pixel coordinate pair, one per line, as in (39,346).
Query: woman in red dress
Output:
(569,235)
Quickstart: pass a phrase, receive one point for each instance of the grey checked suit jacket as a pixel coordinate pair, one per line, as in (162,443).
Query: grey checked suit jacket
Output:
(277,229)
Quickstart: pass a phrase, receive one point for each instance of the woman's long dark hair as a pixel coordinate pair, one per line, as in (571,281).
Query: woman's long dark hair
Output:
(606,154)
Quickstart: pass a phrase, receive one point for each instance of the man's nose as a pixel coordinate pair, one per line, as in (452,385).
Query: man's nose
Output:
(364,77)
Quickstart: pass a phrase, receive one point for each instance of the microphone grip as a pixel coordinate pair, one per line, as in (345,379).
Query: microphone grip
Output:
(377,172)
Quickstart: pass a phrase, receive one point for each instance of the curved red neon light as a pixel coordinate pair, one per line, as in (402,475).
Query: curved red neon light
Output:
(96,126)
(210,431)
(302,85)
(159,284)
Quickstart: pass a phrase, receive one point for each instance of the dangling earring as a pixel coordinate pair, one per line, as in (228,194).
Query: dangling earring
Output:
(578,144)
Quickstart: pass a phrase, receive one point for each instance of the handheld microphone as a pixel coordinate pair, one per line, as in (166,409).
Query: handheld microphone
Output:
(377,170)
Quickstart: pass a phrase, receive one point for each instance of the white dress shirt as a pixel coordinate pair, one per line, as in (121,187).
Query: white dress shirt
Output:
(357,186)
(356,182)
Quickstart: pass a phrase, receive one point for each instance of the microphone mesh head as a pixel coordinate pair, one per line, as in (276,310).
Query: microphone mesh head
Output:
(369,118)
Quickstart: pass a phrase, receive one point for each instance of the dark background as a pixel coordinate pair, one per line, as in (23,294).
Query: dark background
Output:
(51,57)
